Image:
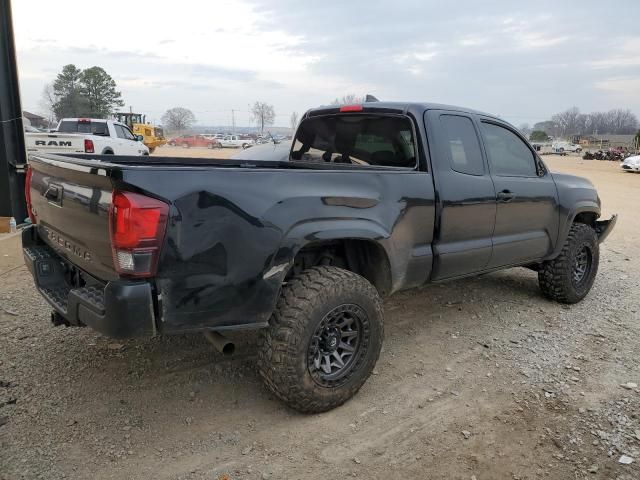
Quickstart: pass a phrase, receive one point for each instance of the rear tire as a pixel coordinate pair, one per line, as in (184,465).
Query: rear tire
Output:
(568,278)
(323,339)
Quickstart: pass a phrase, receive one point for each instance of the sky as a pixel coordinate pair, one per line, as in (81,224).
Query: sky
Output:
(520,60)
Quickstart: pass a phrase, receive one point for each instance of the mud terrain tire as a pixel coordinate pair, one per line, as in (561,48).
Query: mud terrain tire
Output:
(569,277)
(321,309)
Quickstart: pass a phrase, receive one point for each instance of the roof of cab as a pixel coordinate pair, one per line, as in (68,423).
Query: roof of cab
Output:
(398,107)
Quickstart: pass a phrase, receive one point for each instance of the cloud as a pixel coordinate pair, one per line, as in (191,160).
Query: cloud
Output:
(624,85)
(509,58)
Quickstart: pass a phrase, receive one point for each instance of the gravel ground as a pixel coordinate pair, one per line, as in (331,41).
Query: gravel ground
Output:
(479,379)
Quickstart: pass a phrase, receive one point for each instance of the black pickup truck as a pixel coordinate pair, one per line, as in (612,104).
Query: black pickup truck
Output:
(372,199)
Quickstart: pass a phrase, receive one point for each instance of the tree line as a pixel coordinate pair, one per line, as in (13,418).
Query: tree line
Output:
(179,119)
(93,93)
(572,122)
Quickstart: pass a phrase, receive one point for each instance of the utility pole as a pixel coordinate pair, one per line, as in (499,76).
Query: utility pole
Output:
(233,121)
(13,154)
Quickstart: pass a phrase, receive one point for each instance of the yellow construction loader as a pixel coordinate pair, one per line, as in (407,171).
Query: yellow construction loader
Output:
(153,136)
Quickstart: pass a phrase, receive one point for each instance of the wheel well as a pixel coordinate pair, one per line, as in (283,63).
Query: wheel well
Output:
(364,257)
(588,218)
(107,151)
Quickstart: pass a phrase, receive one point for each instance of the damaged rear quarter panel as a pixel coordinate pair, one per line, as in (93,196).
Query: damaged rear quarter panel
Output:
(234,232)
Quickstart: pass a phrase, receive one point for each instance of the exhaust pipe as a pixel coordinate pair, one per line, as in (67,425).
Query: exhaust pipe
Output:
(221,343)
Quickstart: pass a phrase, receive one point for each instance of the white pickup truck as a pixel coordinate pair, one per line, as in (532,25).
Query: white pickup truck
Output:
(235,141)
(561,147)
(87,135)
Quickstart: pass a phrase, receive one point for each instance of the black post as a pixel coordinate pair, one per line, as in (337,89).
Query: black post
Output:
(13,156)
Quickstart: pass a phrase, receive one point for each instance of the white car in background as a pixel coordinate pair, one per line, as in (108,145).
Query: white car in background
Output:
(561,147)
(235,141)
(87,135)
(631,164)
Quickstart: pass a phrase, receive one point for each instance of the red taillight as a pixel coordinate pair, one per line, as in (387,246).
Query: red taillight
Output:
(88,146)
(136,225)
(351,108)
(27,194)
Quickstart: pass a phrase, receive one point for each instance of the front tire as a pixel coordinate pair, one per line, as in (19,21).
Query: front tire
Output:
(323,339)
(568,278)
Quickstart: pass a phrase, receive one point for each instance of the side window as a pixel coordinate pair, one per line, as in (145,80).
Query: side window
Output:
(128,134)
(508,155)
(119,131)
(463,145)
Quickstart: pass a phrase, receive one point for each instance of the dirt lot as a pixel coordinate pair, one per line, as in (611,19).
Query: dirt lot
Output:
(480,378)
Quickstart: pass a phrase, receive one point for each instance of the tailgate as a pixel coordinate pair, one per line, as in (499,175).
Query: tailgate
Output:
(54,143)
(71,203)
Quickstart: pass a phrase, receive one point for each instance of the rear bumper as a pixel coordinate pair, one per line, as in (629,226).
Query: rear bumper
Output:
(604,227)
(117,309)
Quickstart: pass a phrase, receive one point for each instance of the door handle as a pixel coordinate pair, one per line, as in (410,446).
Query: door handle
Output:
(505,196)
(52,193)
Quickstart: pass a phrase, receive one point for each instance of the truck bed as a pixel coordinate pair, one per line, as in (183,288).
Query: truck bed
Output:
(234,227)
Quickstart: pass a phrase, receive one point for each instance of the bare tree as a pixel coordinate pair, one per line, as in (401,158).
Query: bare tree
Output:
(572,122)
(47,103)
(525,129)
(293,121)
(348,99)
(178,119)
(263,114)
(568,121)
(622,121)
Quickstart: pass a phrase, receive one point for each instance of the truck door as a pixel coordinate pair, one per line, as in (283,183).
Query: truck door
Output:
(527,206)
(466,196)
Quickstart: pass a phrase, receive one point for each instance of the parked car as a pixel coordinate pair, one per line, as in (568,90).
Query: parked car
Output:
(87,135)
(375,198)
(236,141)
(631,164)
(188,141)
(561,147)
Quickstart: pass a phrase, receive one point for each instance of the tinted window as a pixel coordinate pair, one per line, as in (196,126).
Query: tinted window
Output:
(356,139)
(463,145)
(74,126)
(124,132)
(128,134)
(508,154)
(120,131)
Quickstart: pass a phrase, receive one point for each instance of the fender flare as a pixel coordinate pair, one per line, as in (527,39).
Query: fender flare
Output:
(323,230)
(586,206)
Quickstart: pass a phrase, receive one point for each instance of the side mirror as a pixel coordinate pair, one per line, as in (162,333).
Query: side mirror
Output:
(139,138)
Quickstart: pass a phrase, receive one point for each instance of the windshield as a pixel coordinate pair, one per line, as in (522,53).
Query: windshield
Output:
(358,139)
(74,126)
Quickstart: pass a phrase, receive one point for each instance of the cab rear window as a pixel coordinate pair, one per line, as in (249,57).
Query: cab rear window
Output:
(356,139)
(74,126)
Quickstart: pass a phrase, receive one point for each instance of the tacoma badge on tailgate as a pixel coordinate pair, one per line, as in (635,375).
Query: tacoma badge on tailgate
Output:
(59,240)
